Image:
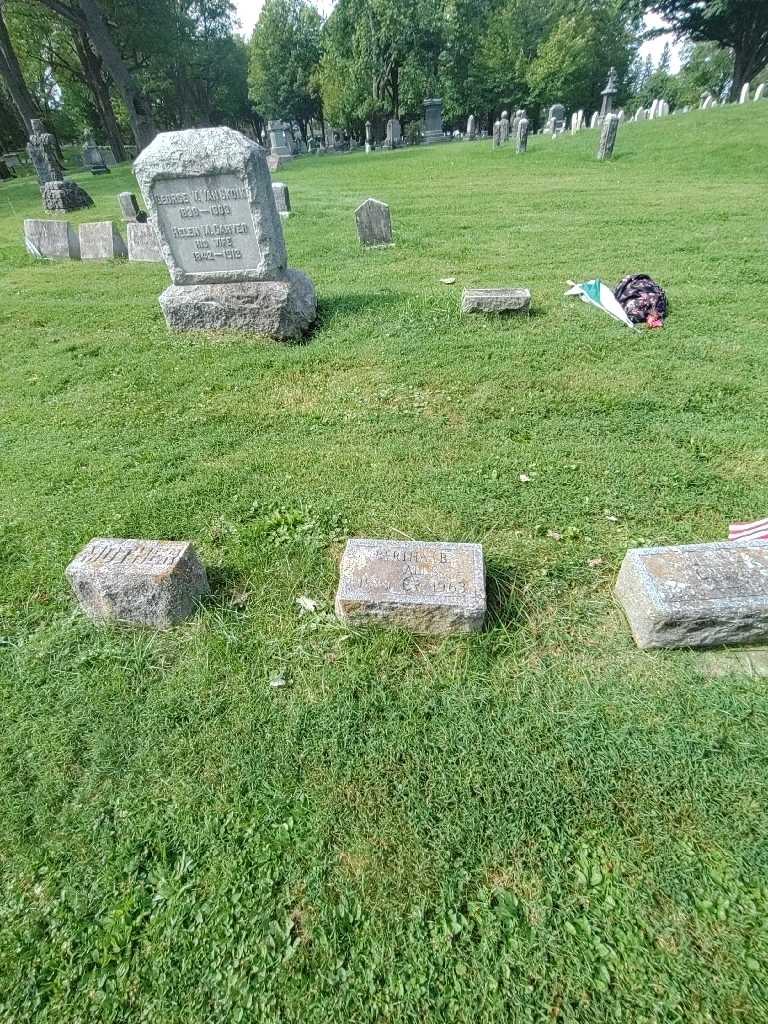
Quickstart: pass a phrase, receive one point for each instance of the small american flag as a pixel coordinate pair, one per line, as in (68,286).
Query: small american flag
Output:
(749,531)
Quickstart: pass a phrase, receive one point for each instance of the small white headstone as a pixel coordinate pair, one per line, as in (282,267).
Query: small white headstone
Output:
(760,91)
(744,97)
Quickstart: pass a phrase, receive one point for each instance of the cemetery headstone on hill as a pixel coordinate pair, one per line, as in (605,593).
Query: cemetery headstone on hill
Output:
(422,587)
(608,137)
(154,583)
(210,198)
(93,159)
(433,121)
(521,141)
(696,595)
(51,239)
(43,153)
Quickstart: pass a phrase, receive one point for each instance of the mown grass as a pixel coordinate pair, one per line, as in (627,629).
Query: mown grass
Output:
(537,823)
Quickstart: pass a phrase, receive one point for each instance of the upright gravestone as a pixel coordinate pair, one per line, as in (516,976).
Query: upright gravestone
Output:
(368,137)
(608,137)
(374,224)
(594,119)
(422,587)
(654,111)
(143,246)
(154,583)
(210,198)
(609,93)
(471,128)
(574,122)
(278,143)
(51,239)
(129,208)
(394,137)
(504,127)
(744,97)
(92,157)
(496,134)
(282,198)
(696,595)
(556,119)
(64,196)
(521,139)
(44,155)
(433,121)
(760,91)
(100,240)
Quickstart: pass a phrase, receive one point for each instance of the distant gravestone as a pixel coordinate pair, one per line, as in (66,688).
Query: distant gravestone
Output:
(64,197)
(210,199)
(471,128)
(143,246)
(368,137)
(574,122)
(394,135)
(744,97)
(144,582)
(43,153)
(100,240)
(504,127)
(641,115)
(433,121)
(278,143)
(760,91)
(130,209)
(93,158)
(608,137)
(521,138)
(374,224)
(282,198)
(593,120)
(654,112)
(663,109)
(496,134)
(696,595)
(708,103)
(496,300)
(51,239)
(422,587)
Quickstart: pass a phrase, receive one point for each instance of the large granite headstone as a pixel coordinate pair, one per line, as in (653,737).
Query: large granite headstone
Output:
(521,138)
(143,246)
(433,121)
(696,595)
(278,143)
(608,137)
(374,224)
(51,239)
(145,582)
(93,159)
(100,240)
(421,587)
(64,197)
(496,300)
(210,198)
(394,134)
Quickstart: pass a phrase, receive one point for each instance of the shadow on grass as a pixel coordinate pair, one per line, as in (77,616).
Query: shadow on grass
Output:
(354,303)
(504,584)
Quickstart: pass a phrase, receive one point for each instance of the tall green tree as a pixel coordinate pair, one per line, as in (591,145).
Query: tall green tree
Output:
(285,54)
(740,25)
(13,78)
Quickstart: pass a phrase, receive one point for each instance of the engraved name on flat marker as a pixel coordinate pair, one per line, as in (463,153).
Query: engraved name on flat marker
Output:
(696,595)
(207,223)
(424,587)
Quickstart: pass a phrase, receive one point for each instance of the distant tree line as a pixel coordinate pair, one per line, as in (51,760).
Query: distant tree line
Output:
(126,69)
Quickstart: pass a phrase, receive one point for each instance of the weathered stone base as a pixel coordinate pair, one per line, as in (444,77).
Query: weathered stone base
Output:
(64,196)
(496,300)
(430,138)
(283,309)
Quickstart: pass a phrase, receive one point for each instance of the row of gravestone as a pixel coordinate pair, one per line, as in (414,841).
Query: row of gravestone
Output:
(698,595)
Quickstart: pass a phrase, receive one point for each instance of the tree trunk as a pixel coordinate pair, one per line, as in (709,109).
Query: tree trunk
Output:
(94,77)
(138,105)
(13,78)
(746,63)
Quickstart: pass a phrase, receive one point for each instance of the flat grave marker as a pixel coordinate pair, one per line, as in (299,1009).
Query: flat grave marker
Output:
(424,587)
(696,595)
(496,300)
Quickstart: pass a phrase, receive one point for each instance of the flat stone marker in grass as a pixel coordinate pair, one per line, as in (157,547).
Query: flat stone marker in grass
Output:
(423,587)
(496,300)
(374,224)
(696,595)
(143,246)
(100,240)
(146,582)
(210,198)
(51,239)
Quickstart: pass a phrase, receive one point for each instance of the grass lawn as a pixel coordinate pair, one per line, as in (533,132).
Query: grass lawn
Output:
(538,823)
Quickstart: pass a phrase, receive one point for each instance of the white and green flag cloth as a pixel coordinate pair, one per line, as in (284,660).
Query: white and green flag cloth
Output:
(598,294)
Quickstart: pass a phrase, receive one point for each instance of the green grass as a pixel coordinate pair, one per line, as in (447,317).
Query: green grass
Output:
(537,823)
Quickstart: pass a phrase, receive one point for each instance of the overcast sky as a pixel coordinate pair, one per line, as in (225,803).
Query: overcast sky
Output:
(248,12)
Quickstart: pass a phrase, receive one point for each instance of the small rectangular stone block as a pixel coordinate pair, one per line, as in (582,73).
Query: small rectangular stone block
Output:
(146,582)
(282,197)
(424,587)
(143,246)
(51,239)
(129,207)
(100,240)
(496,300)
(696,595)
